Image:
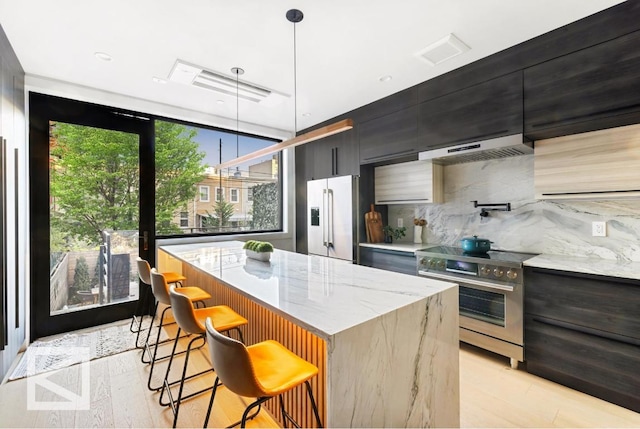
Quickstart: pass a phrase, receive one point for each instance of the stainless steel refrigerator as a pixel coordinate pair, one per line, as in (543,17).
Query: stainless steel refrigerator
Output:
(331,221)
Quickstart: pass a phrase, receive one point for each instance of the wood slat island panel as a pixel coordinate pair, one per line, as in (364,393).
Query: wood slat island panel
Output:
(266,325)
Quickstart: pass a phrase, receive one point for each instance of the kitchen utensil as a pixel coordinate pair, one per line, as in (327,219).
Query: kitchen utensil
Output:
(475,244)
(373,224)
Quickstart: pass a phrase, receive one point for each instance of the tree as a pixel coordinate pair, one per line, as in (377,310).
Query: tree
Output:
(81,280)
(266,206)
(95,177)
(222,212)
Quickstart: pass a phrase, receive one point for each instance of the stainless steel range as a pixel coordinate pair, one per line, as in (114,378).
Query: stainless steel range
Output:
(491,295)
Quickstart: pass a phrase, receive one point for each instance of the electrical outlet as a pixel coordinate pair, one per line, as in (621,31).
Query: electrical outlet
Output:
(599,229)
(400,223)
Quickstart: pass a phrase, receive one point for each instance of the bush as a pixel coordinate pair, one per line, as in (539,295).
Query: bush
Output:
(81,279)
(258,246)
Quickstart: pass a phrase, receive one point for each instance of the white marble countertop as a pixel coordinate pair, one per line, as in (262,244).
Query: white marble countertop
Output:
(323,295)
(604,267)
(398,247)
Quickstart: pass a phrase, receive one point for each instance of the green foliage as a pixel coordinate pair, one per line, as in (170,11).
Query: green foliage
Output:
(396,233)
(95,177)
(266,207)
(258,246)
(81,279)
(222,212)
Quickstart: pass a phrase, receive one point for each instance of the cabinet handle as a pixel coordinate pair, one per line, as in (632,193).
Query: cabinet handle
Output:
(372,158)
(591,192)
(403,199)
(335,161)
(590,331)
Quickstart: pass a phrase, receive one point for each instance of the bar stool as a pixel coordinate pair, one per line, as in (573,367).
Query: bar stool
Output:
(144,270)
(260,371)
(160,291)
(191,321)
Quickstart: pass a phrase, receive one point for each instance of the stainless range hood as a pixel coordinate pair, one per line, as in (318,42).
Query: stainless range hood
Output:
(500,147)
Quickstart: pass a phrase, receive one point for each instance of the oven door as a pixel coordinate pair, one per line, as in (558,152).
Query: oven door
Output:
(488,308)
(491,311)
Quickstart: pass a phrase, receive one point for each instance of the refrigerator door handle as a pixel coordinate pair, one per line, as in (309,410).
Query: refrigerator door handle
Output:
(325,203)
(330,218)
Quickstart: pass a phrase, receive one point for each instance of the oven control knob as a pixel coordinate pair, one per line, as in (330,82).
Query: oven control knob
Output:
(485,270)
(440,264)
(424,262)
(512,274)
(498,272)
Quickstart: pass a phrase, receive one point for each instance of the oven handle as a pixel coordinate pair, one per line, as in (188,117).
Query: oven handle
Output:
(468,281)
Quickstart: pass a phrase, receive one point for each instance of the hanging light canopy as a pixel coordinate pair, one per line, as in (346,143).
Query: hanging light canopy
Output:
(294,16)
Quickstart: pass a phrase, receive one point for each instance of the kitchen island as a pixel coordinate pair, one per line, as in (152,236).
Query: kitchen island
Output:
(386,344)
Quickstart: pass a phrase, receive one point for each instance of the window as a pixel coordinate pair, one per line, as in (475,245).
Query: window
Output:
(246,198)
(219,194)
(184,219)
(204,194)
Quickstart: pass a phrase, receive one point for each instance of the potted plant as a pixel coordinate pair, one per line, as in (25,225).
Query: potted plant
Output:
(390,233)
(259,250)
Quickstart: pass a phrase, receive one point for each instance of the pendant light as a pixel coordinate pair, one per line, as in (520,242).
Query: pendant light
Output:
(294,16)
(237,71)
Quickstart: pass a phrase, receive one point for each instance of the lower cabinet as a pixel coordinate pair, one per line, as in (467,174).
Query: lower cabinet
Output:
(582,331)
(390,260)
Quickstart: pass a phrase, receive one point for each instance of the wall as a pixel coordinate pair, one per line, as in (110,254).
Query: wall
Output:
(561,228)
(13,130)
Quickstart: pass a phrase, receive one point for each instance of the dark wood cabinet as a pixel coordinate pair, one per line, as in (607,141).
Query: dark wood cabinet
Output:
(487,110)
(583,331)
(335,155)
(392,136)
(390,260)
(590,89)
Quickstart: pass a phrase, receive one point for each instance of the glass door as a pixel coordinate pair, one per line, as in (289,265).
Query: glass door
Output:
(88,219)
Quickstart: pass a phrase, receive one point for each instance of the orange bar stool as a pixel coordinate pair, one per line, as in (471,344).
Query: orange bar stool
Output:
(144,273)
(260,371)
(160,290)
(191,321)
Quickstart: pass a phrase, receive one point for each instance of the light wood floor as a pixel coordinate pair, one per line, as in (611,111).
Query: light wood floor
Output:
(491,395)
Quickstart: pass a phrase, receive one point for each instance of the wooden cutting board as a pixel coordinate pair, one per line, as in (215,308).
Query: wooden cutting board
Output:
(373,224)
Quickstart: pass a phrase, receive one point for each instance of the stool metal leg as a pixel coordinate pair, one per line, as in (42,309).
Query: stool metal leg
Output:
(175,403)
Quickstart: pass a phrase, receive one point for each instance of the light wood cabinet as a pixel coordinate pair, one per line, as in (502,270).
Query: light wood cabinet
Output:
(415,182)
(597,164)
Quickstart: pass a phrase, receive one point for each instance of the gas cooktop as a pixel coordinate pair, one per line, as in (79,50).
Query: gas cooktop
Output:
(497,256)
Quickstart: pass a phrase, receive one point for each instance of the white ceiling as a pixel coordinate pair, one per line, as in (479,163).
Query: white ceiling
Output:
(344,46)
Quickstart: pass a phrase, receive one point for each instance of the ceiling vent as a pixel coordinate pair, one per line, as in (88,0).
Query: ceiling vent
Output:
(200,77)
(442,50)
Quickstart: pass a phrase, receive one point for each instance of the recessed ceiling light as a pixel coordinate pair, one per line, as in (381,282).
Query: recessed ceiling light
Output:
(385,78)
(103,56)
(220,101)
(159,80)
(307,114)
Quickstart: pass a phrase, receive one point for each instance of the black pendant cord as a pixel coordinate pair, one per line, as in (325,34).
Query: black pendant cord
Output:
(295,16)
(237,120)
(295,84)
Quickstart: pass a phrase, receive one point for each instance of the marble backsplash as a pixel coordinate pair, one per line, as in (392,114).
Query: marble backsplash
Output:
(552,227)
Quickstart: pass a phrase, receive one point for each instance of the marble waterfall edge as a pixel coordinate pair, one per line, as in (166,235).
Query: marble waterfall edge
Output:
(410,360)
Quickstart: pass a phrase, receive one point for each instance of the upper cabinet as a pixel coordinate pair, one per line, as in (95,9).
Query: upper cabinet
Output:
(590,89)
(487,110)
(597,164)
(335,155)
(392,136)
(415,182)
